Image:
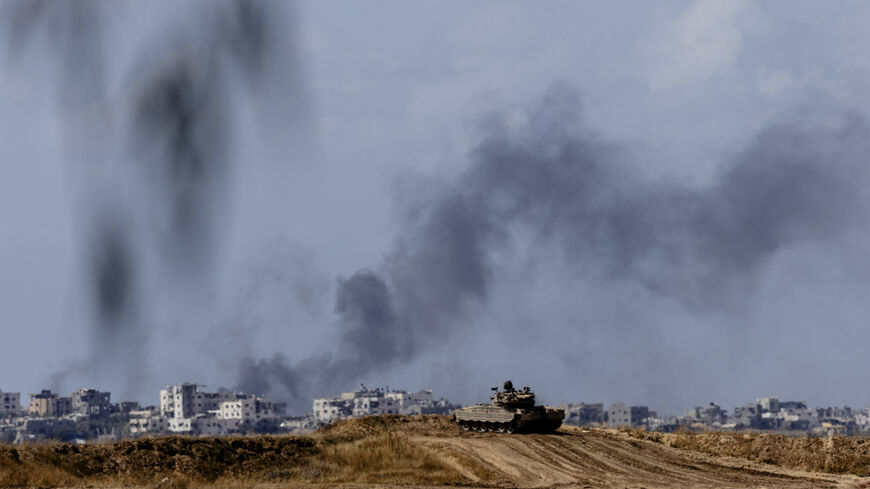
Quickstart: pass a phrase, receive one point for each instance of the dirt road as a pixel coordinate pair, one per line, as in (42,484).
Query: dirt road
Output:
(577,457)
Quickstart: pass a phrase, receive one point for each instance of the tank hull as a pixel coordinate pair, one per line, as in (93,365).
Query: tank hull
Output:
(498,419)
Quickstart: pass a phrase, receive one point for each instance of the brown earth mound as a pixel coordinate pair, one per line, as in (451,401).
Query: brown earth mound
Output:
(427,451)
(838,454)
(367,450)
(352,429)
(141,461)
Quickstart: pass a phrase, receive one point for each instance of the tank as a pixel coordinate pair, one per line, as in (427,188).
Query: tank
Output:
(511,411)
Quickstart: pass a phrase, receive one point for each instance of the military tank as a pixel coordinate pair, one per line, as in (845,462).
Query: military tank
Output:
(511,411)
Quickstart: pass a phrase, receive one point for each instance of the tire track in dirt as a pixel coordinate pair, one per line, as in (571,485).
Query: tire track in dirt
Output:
(604,458)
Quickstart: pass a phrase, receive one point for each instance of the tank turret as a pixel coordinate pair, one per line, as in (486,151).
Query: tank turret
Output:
(510,411)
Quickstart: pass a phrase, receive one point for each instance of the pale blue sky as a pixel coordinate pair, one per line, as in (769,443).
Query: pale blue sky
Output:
(396,87)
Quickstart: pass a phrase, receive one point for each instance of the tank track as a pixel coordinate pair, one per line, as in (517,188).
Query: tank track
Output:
(543,426)
(487,426)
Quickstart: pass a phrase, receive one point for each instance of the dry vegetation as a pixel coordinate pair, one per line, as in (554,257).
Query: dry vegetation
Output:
(431,451)
(835,455)
(369,450)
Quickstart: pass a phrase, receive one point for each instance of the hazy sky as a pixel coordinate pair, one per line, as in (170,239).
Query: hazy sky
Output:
(748,114)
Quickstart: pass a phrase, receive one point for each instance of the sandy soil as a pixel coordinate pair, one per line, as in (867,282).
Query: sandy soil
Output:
(432,450)
(576,457)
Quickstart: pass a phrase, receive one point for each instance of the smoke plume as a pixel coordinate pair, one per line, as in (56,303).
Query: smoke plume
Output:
(551,186)
(177,108)
(537,188)
(113,274)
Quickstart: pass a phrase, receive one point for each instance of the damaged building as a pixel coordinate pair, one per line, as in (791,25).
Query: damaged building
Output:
(366,402)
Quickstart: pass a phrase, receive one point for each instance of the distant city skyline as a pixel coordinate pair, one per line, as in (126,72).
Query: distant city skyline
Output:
(188,409)
(362,388)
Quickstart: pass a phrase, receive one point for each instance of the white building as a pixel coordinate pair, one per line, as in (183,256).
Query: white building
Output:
(186,400)
(367,402)
(300,424)
(862,419)
(212,426)
(175,398)
(188,410)
(327,409)
(181,425)
(147,422)
(247,410)
(409,398)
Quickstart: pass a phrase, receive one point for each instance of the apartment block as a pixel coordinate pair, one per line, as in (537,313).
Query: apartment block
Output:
(10,403)
(48,404)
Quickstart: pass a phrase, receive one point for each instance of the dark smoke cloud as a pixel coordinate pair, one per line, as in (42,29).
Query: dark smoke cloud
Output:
(371,339)
(181,138)
(276,376)
(364,304)
(251,33)
(72,31)
(178,106)
(547,186)
(113,268)
(553,182)
(553,178)
(73,368)
(183,113)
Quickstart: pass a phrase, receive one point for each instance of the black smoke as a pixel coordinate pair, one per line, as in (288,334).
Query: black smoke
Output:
(72,31)
(183,112)
(113,273)
(364,304)
(551,187)
(181,145)
(175,111)
(371,338)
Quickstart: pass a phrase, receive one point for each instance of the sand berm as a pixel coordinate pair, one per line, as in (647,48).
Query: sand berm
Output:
(430,451)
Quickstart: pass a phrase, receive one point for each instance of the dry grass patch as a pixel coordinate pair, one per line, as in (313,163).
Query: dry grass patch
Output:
(378,449)
(426,425)
(149,461)
(838,455)
(384,458)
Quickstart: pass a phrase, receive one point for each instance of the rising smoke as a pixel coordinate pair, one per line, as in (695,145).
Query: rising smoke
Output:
(177,108)
(547,186)
(112,274)
(73,32)
(552,182)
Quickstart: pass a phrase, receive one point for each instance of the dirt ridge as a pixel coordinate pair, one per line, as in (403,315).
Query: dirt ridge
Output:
(430,451)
